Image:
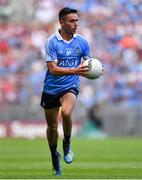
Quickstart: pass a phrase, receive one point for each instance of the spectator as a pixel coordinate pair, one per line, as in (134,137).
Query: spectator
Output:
(114,31)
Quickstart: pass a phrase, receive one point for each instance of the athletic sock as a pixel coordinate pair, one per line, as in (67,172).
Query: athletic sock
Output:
(66,139)
(53,150)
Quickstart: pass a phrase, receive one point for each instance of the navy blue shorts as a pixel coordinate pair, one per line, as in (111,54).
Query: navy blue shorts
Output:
(49,101)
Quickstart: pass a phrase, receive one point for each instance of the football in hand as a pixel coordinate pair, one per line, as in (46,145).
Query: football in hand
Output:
(95,68)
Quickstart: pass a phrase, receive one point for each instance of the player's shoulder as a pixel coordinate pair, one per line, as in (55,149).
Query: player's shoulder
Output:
(81,38)
(51,39)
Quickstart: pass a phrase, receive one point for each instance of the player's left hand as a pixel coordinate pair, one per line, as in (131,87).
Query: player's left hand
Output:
(102,71)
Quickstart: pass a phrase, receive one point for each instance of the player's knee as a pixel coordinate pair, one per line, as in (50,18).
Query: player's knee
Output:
(52,128)
(66,113)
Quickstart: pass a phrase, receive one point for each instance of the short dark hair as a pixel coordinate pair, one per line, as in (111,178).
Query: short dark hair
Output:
(65,11)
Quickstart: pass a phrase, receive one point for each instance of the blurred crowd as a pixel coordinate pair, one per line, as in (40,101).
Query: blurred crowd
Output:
(114,31)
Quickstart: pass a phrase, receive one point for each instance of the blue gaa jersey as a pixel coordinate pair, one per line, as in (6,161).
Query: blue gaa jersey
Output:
(66,54)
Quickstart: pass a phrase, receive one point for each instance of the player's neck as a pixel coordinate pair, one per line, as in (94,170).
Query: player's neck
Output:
(65,36)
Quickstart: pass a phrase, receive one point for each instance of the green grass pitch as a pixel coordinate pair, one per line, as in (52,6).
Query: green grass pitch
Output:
(112,158)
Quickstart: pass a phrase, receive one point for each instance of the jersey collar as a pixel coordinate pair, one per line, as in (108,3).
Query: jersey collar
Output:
(59,37)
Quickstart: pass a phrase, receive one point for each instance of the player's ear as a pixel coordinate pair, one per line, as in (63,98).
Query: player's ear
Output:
(61,22)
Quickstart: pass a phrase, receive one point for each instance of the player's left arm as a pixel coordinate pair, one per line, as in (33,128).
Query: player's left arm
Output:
(86,50)
(87,53)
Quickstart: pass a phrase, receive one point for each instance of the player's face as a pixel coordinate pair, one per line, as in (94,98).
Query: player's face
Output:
(70,23)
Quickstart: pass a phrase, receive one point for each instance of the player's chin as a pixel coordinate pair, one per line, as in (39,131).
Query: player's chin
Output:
(73,31)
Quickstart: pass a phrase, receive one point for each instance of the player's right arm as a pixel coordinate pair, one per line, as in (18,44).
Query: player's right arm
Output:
(61,71)
(51,59)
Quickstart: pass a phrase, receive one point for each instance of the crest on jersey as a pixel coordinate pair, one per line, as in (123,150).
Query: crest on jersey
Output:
(77,50)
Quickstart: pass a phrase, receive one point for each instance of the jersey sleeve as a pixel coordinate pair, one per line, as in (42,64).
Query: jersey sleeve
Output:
(50,51)
(86,50)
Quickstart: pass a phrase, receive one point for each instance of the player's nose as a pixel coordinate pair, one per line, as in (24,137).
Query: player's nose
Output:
(76,23)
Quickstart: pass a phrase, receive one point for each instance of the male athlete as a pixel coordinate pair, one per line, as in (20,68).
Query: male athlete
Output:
(64,51)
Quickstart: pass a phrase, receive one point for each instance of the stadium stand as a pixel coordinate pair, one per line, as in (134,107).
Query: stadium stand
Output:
(113,29)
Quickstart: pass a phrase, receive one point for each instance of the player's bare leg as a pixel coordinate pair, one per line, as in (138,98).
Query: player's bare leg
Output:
(52,137)
(68,102)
